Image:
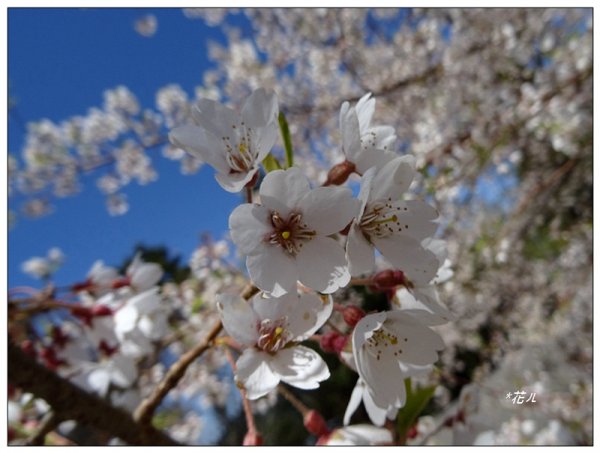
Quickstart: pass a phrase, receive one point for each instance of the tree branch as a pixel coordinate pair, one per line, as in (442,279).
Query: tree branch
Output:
(70,402)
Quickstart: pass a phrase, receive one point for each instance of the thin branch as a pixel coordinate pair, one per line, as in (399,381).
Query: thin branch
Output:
(298,405)
(70,402)
(144,412)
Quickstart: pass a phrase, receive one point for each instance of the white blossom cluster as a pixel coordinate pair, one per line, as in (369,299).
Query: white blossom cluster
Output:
(293,247)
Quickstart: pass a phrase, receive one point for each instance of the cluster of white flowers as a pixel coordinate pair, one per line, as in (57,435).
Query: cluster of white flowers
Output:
(294,244)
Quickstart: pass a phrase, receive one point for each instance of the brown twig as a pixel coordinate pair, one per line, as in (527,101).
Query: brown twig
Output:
(70,402)
(143,413)
(298,405)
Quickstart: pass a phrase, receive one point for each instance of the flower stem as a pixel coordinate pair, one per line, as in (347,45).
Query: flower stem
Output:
(298,405)
(245,401)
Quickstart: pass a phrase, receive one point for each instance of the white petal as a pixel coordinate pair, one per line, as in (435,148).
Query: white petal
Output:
(249,224)
(322,265)
(239,320)
(98,380)
(355,400)
(202,144)
(383,377)
(300,367)
(406,254)
(265,138)
(123,370)
(254,373)
(215,118)
(385,136)
(365,107)
(359,252)
(423,303)
(146,276)
(273,270)
(419,216)
(350,132)
(306,312)
(367,435)
(393,179)
(308,315)
(419,343)
(125,319)
(235,182)
(328,210)
(146,302)
(376,413)
(371,157)
(281,190)
(260,108)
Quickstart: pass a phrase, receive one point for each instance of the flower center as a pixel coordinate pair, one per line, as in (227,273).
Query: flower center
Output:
(240,154)
(381,341)
(381,220)
(290,233)
(273,335)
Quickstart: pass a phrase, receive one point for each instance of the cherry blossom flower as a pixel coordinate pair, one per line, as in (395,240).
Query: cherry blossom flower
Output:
(42,268)
(376,413)
(270,328)
(364,145)
(391,225)
(140,321)
(234,144)
(285,238)
(143,275)
(389,347)
(117,370)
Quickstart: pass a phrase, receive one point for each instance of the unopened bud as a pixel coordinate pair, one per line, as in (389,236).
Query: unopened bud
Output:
(412,432)
(59,338)
(352,315)
(82,286)
(83,313)
(121,282)
(315,423)
(389,279)
(339,173)
(333,342)
(101,310)
(252,438)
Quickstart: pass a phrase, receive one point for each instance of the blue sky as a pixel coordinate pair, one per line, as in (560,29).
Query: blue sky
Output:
(60,62)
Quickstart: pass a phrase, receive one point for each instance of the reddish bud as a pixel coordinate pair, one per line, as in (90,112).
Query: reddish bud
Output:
(333,342)
(48,355)
(101,310)
(121,282)
(88,284)
(352,315)
(28,348)
(322,440)
(412,432)
(315,423)
(83,313)
(252,438)
(389,279)
(106,349)
(339,173)
(58,337)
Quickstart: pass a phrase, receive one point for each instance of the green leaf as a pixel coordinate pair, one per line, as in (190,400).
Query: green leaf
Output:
(270,163)
(416,401)
(197,304)
(287,140)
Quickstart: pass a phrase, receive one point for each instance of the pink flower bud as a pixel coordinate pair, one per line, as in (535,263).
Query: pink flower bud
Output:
(333,342)
(252,438)
(28,348)
(101,310)
(352,314)
(121,282)
(315,423)
(389,279)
